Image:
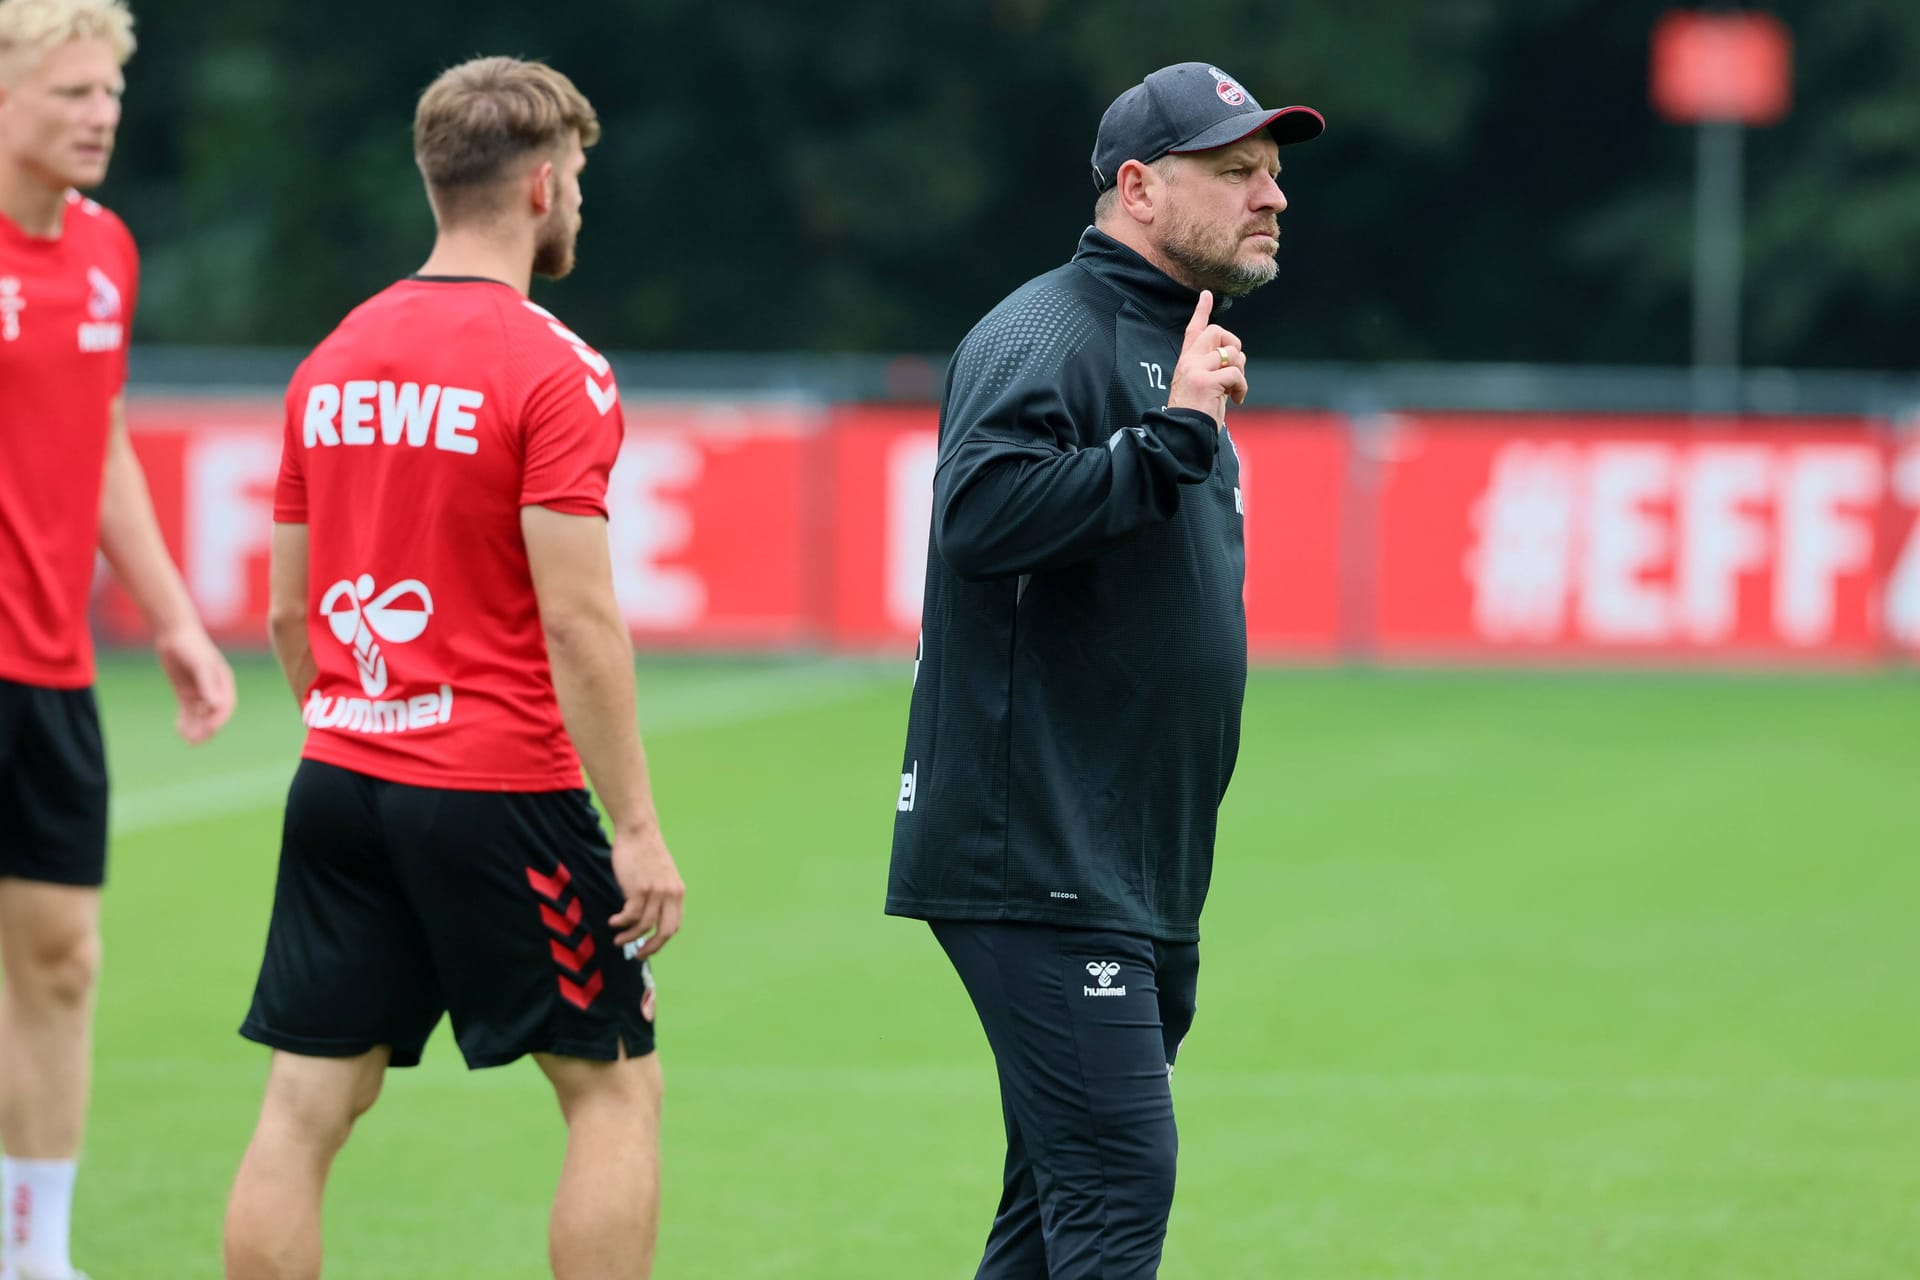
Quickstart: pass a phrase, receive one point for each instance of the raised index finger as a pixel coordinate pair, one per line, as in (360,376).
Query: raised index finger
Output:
(1202,312)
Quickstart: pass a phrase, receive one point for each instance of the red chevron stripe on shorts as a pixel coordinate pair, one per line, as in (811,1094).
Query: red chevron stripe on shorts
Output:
(573,958)
(580,994)
(550,887)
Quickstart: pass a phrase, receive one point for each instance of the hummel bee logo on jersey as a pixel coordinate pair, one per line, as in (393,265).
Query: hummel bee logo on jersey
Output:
(359,619)
(355,617)
(1104,971)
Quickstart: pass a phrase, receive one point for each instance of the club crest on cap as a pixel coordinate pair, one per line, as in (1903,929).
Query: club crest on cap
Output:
(1227,87)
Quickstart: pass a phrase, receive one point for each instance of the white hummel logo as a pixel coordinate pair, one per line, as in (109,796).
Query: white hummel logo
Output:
(1105,972)
(356,617)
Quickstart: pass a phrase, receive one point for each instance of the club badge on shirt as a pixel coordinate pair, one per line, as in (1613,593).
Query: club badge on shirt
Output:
(103,330)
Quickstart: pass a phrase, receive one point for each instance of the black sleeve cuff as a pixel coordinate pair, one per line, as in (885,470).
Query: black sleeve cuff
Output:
(1190,436)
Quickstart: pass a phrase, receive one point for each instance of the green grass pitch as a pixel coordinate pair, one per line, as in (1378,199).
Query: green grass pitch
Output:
(1504,976)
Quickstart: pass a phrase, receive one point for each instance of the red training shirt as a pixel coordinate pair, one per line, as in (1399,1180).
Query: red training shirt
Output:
(66,309)
(415,434)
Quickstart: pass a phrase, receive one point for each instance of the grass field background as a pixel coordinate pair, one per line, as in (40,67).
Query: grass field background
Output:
(1503,976)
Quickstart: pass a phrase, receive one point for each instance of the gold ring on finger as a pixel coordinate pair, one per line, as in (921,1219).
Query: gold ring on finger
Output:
(1225,359)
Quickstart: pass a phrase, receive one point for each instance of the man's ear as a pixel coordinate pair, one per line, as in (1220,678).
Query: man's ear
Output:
(1139,187)
(543,189)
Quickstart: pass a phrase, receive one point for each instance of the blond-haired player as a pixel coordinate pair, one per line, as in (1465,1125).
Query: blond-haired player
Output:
(70,486)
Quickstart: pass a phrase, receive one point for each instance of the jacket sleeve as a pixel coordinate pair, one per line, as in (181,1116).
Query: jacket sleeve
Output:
(1015,493)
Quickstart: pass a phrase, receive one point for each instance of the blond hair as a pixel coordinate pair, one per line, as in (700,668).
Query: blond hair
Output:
(480,117)
(33,27)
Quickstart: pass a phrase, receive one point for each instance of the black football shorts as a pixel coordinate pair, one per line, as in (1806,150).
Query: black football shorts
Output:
(396,903)
(53,786)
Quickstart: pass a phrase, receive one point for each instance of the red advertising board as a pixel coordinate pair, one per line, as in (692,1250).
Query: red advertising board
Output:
(1292,474)
(1448,538)
(1555,538)
(707,500)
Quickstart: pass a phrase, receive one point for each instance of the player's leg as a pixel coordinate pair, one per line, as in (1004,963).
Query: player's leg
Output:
(49,949)
(606,1211)
(1015,1245)
(1084,1075)
(346,989)
(273,1217)
(514,892)
(53,849)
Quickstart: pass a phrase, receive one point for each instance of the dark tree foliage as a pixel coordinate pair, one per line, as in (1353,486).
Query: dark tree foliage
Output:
(872,174)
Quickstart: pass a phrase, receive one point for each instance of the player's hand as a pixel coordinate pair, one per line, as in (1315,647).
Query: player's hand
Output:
(655,894)
(1212,368)
(201,679)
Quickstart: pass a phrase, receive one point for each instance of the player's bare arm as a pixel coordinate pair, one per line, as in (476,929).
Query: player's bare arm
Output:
(591,655)
(287,608)
(130,539)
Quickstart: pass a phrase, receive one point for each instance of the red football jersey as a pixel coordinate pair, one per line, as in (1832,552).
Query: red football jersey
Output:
(415,434)
(66,309)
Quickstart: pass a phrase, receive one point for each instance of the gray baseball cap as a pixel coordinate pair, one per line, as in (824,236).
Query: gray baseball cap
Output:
(1189,106)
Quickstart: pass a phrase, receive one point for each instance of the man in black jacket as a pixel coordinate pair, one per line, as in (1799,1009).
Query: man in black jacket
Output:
(1083,657)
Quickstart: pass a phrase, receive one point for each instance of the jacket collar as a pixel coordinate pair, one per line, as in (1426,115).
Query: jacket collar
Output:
(1155,292)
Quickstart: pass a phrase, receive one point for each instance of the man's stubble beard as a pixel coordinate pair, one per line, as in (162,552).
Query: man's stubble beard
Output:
(1215,265)
(553,254)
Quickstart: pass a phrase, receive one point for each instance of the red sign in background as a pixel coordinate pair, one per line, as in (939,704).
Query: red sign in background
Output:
(1654,538)
(1721,66)
(1446,538)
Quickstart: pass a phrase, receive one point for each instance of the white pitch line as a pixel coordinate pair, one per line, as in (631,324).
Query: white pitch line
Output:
(218,796)
(709,704)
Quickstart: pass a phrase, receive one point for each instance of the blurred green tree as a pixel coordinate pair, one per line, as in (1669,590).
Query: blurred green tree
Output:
(872,175)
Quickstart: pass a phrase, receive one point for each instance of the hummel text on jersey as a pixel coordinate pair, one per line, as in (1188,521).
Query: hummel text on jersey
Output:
(390,715)
(100,337)
(345,413)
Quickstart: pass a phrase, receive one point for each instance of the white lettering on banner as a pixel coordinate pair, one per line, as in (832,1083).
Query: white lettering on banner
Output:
(1903,586)
(1521,563)
(345,414)
(650,524)
(1581,538)
(910,465)
(1819,542)
(1724,489)
(228,493)
(1624,542)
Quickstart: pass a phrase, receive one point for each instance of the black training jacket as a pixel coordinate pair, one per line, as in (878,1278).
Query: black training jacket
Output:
(1083,653)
